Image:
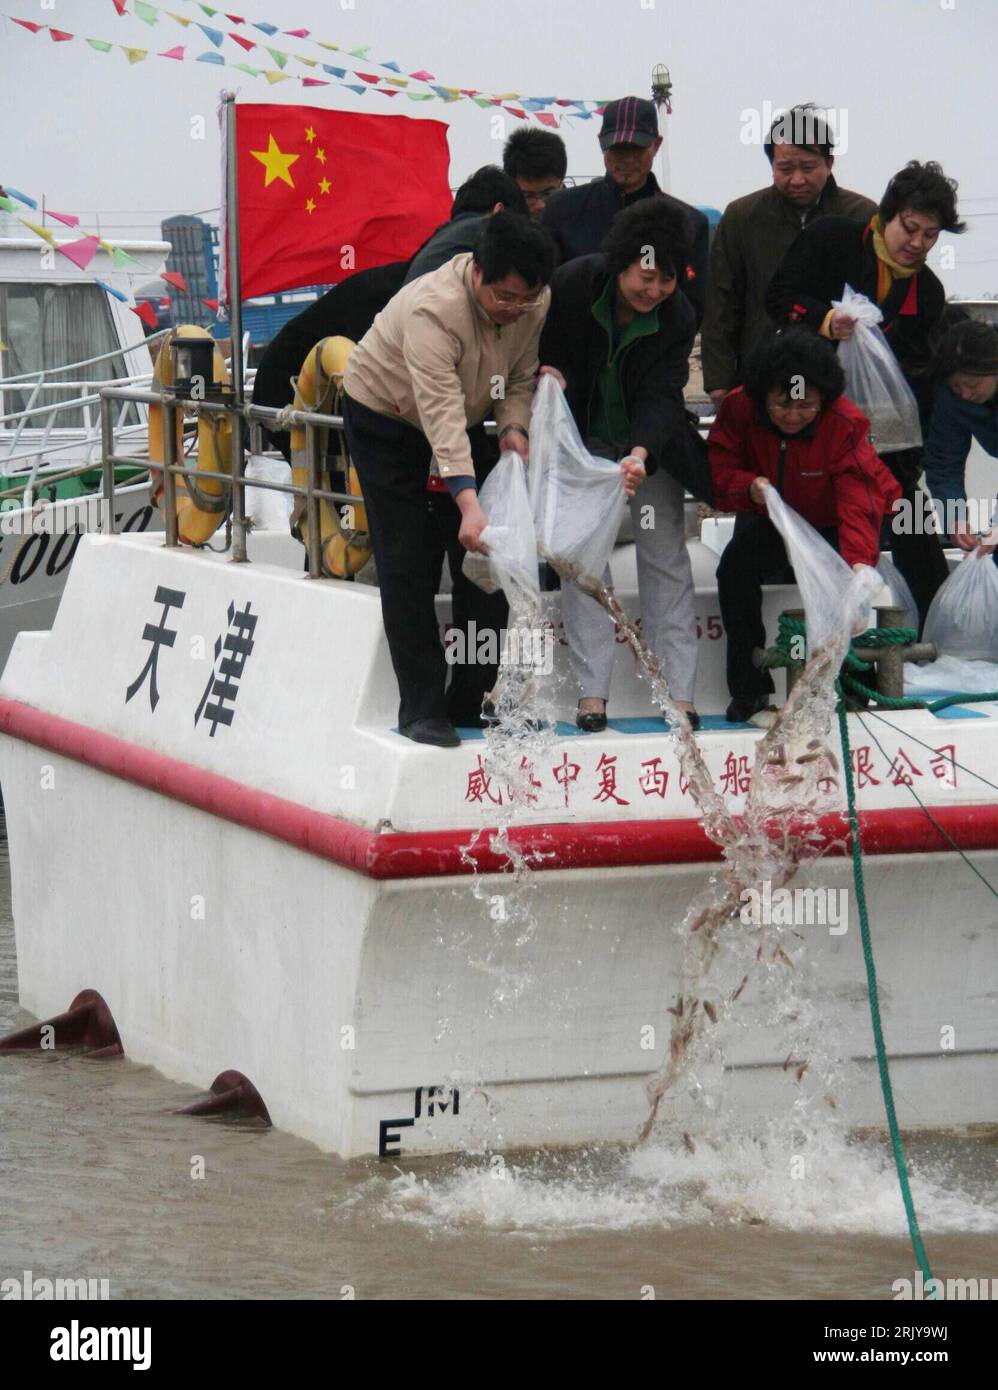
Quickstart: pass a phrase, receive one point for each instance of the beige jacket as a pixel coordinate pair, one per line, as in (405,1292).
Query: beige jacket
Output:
(435,358)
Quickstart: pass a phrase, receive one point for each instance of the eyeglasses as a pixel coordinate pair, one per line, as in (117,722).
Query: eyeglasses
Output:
(790,407)
(505,300)
(540,197)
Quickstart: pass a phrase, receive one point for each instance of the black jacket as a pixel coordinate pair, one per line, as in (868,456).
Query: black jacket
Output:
(654,369)
(579,219)
(347,310)
(450,240)
(751,239)
(836,252)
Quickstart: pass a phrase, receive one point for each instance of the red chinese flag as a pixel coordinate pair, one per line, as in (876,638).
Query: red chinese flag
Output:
(325,193)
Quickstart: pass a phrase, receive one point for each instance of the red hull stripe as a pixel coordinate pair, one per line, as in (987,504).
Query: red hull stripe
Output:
(438,853)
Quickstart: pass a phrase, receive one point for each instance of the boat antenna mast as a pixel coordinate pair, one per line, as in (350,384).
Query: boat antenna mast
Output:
(661,94)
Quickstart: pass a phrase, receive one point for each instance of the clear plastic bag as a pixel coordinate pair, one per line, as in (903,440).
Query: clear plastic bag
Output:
(512,558)
(901,595)
(963,618)
(836,598)
(874,379)
(577,499)
(269,511)
(951,674)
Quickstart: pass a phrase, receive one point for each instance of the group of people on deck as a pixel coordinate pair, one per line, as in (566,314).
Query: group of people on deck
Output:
(605,286)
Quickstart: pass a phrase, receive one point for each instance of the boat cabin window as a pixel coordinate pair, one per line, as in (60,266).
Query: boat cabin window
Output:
(44,326)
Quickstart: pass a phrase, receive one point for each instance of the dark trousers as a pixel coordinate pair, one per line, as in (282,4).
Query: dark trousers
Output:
(411,530)
(918,557)
(755,555)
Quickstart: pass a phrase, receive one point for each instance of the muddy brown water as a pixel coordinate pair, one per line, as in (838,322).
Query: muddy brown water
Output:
(96,1182)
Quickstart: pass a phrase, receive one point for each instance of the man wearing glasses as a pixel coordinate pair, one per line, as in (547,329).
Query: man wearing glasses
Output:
(452,348)
(537,160)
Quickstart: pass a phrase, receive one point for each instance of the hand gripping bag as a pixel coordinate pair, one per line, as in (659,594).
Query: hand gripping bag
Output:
(511,563)
(577,499)
(874,379)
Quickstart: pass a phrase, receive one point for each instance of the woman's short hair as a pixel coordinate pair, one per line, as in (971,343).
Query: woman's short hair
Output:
(922,188)
(970,347)
(791,362)
(651,231)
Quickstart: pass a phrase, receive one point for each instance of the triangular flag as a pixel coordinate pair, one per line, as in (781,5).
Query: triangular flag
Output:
(398,81)
(388,91)
(422,75)
(546,118)
(352,87)
(120,258)
(177,53)
(212,303)
(515,111)
(297,33)
(314,82)
(28,24)
(147,13)
(273,76)
(393,66)
(174,278)
(234,18)
(134,55)
(43,232)
(101,45)
(111,290)
(21,197)
(243,43)
(59,35)
(106,246)
(281,59)
(264,27)
(68,219)
(180,18)
(211,57)
(7,204)
(119,5)
(146,313)
(206,9)
(80,252)
(422,96)
(309,62)
(335,72)
(245,67)
(215,35)
(359,52)
(322,44)
(368,77)
(481,101)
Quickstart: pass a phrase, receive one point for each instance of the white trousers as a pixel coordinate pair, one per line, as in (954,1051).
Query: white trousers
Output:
(665,592)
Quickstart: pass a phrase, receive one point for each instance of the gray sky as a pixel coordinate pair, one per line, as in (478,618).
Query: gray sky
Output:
(912,79)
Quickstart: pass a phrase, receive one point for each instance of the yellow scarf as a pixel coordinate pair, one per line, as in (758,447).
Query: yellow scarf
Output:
(887,267)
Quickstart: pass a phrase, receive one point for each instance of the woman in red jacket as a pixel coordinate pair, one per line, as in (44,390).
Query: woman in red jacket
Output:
(789,427)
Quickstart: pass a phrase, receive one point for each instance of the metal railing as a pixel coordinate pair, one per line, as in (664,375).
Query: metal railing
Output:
(251,418)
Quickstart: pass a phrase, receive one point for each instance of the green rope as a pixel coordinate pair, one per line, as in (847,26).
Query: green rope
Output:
(871,981)
(853,667)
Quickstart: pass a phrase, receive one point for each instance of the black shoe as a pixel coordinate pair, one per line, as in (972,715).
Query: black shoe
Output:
(741,710)
(440,733)
(593,722)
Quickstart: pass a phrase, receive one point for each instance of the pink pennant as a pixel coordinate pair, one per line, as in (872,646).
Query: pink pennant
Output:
(59,35)
(423,76)
(177,53)
(174,278)
(81,252)
(233,19)
(68,219)
(546,118)
(119,5)
(298,33)
(515,111)
(146,313)
(314,82)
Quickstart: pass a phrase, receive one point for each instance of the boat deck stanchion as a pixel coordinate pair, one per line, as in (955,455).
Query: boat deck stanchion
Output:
(107,466)
(312,466)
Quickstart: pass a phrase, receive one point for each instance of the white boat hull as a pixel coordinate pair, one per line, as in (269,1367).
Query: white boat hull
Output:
(264,920)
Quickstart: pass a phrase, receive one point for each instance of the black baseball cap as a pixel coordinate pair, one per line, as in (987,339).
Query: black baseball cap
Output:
(629,121)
